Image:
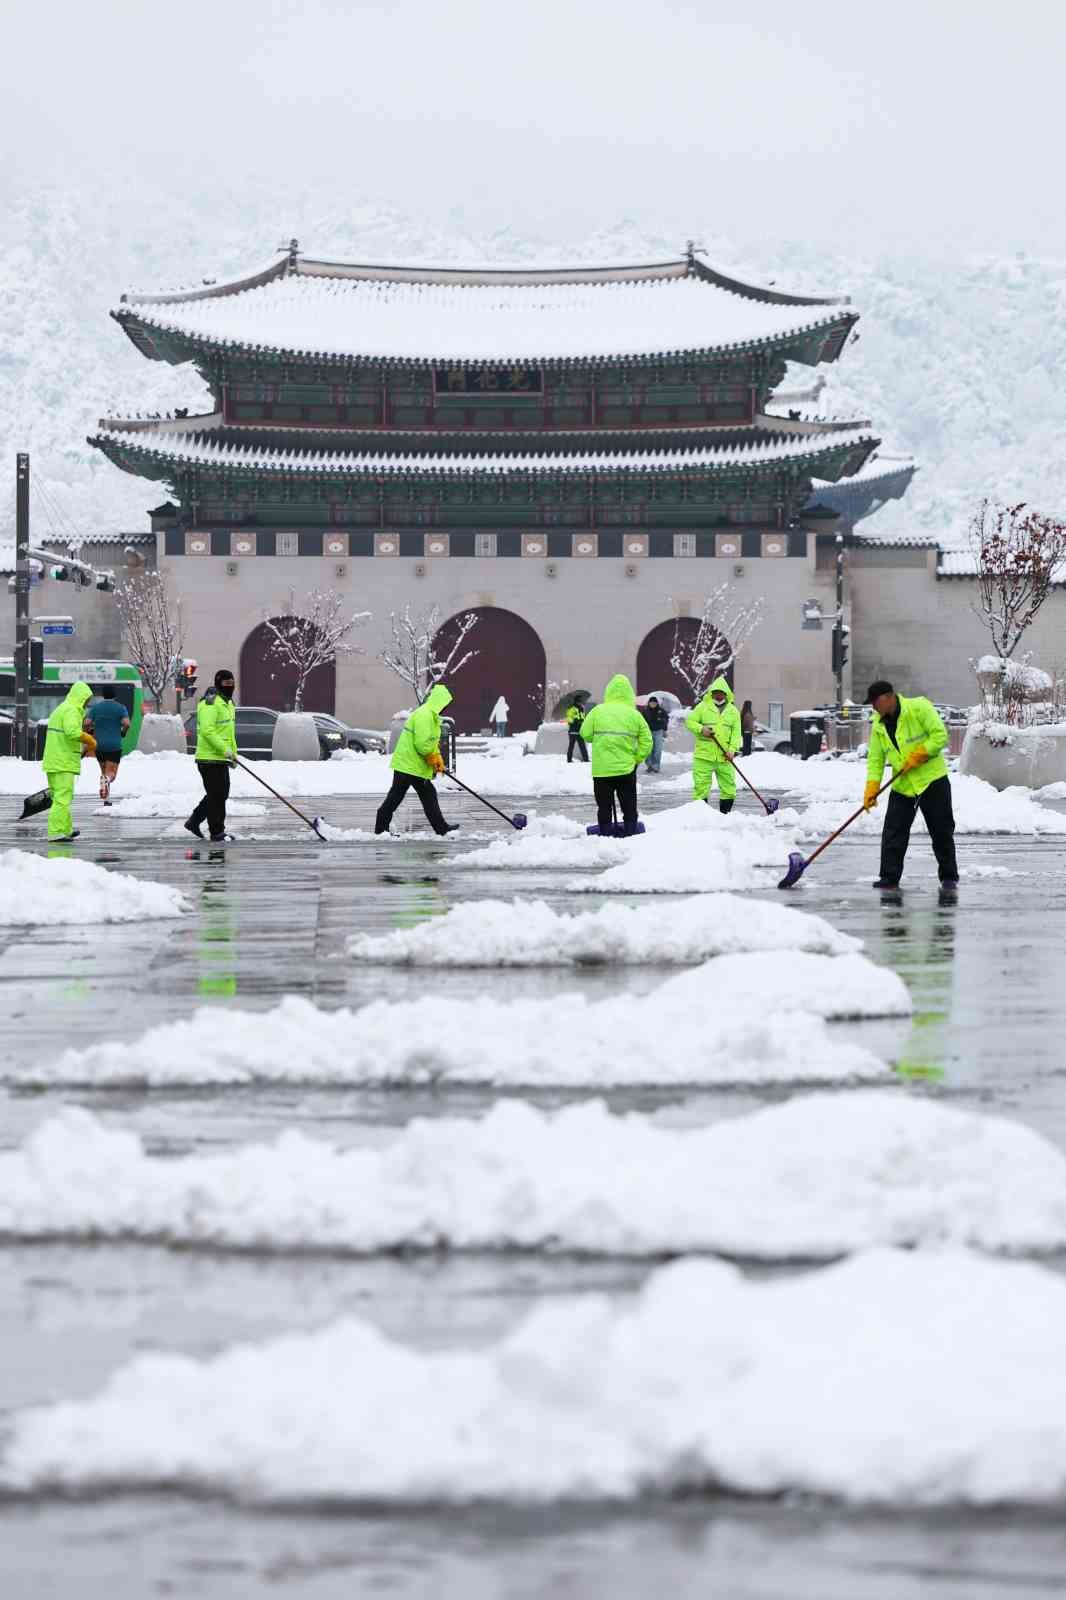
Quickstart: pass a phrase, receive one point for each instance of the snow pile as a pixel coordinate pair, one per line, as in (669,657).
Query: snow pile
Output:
(891,1378)
(52,890)
(169,805)
(732,852)
(528,933)
(538,852)
(978,808)
(814,1178)
(1052,791)
(775,1036)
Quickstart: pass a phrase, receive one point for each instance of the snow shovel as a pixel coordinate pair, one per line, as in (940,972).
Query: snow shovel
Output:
(315,826)
(771,805)
(797,866)
(34,804)
(519,819)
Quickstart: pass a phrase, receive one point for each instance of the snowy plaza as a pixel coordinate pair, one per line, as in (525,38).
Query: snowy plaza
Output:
(576,1178)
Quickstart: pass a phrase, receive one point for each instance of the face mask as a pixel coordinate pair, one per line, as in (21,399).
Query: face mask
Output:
(226,690)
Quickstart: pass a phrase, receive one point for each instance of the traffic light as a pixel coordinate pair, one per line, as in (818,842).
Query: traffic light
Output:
(190,678)
(105,581)
(841,634)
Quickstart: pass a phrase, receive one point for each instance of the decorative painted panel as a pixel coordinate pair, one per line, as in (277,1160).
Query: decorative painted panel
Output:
(727,546)
(774,544)
(386,544)
(585,545)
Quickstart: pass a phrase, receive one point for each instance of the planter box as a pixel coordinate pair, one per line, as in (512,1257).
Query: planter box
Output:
(1015,757)
(161,732)
(296,737)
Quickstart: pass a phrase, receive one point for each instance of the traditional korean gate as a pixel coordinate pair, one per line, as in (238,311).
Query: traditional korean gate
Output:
(510,660)
(265,681)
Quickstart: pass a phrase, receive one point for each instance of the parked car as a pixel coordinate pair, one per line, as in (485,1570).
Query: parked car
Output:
(255,734)
(358,739)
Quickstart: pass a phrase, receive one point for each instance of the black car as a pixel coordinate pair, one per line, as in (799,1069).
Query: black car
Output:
(255,734)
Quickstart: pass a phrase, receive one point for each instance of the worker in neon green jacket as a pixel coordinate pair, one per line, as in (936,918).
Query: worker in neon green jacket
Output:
(65,743)
(216,753)
(416,761)
(716,725)
(620,740)
(909,737)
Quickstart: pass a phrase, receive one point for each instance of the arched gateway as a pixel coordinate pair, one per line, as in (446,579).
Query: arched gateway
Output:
(655,669)
(266,681)
(510,660)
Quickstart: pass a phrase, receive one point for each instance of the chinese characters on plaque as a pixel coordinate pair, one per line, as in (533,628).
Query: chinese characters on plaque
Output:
(488,380)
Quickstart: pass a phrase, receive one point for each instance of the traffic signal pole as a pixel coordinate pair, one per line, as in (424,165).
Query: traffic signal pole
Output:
(838,626)
(22,606)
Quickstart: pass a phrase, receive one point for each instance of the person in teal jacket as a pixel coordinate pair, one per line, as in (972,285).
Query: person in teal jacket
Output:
(216,753)
(909,737)
(716,725)
(416,761)
(65,743)
(620,740)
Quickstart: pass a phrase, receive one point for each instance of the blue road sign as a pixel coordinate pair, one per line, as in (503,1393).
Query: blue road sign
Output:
(57,627)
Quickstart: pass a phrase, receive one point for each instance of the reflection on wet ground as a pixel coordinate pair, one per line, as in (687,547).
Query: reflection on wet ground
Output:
(270,917)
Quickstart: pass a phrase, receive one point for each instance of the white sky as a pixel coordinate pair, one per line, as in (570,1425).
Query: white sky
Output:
(940,118)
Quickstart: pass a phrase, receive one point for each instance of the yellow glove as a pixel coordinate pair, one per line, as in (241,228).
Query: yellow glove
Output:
(869,796)
(436,761)
(915,759)
(88,744)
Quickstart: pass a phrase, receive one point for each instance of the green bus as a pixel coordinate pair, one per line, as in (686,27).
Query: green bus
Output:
(47,692)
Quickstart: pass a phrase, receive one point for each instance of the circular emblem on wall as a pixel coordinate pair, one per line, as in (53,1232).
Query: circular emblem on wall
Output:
(636,548)
(243,547)
(773,547)
(387,547)
(436,547)
(729,549)
(197,546)
(584,547)
(534,547)
(335,547)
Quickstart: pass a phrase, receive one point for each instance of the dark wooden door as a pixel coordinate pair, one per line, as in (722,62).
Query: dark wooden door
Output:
(510,660)
(265,681)
(654,669)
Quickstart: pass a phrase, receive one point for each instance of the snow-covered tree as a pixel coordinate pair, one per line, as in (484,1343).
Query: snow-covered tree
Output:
(1018,553)
(725,624)
(313,637)
(419,655)
(153,630)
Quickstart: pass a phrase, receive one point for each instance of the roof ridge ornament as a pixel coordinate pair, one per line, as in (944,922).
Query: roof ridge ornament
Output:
(292,250)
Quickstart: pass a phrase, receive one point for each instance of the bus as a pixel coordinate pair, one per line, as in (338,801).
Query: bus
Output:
(47,692)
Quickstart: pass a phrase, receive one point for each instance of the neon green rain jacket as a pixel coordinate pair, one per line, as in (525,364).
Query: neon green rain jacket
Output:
(216,728)
(62,745)
(919,723)
(726,725)
(421,734)
(618,734)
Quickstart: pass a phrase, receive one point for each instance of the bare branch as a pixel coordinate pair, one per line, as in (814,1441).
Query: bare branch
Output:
(1018,553)
(313,637)
(725,625)
(415,654)
(153,630)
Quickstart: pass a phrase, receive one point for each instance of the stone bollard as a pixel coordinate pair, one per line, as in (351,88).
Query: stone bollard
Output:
(296,737)
(160,731)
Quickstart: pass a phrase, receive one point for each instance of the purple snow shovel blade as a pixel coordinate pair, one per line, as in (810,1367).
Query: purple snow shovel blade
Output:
(771,807)
(796,868)
(519,819)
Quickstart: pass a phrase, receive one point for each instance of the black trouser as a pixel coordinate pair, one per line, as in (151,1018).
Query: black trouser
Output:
(216,792)
(745,748)
(935,805)
(576,739)
(423,787)
(625,790)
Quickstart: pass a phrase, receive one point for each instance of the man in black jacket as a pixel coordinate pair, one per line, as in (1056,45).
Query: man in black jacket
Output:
(658,719)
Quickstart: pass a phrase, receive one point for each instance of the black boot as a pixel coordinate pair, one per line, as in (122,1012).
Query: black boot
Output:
(885,883)
(191,826)
(949,891)
(725,807)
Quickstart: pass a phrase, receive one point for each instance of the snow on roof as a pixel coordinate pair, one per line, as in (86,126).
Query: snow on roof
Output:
(482,316)
(880,465)
(963,564)
(183,449)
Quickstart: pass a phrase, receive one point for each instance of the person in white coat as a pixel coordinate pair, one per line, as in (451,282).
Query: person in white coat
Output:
(498,717)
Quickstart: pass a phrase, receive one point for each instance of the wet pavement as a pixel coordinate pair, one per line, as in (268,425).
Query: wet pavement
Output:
(270,917)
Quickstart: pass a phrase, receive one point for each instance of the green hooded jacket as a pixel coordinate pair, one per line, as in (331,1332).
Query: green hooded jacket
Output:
(62,745)
(726,724)
(421,734)
(216,728)
(919,723)
(618,734)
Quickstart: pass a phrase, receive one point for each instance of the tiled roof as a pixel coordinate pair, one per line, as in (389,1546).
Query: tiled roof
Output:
(184,450)
(963,564)
(319,309)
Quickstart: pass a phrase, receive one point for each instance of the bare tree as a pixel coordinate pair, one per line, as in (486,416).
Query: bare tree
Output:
(153,629)
(725,624)
(417,655)
(1017,552)
(313,637)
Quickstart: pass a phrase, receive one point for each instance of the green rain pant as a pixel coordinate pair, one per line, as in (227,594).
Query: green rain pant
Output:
(704,771)
(60,821)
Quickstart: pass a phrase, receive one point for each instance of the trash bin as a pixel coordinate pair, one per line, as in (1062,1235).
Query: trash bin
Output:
(807,729)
